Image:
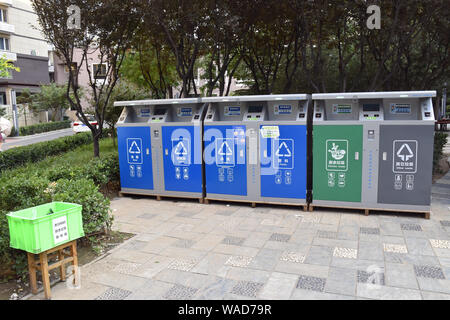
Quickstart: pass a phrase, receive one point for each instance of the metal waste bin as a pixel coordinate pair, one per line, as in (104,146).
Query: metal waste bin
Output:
(373,150)
(256,148)
(160,147)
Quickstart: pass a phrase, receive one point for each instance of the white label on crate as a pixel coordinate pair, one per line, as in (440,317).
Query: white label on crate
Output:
(60,231)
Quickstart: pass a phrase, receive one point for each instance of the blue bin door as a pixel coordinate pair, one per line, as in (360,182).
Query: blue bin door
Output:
(182,151)
(135,158)
(225,160)
(283,163)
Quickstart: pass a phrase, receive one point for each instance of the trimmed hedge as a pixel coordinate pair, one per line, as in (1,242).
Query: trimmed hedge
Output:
(44,127)
(16,157)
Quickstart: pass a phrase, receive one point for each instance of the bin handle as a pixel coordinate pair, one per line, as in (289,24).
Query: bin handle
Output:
(356,155)
(384,156)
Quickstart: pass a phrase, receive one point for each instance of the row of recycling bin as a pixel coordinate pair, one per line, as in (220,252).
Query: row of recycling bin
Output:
(362,150)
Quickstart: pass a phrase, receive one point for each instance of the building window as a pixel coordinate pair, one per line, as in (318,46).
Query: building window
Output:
(99,71)
(4,44)
(3,100)
(3,15)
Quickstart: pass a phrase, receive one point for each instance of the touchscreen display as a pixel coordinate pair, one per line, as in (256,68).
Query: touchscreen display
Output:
(255,109)
(371,107)
(160,111)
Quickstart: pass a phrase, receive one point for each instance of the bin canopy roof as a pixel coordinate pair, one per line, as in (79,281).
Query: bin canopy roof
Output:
(285,97)
(374,95)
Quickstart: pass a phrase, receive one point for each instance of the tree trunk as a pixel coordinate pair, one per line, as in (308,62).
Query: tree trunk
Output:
(113,134)
(96,139)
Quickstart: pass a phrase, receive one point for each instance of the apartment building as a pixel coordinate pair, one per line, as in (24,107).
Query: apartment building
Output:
(23,43)
(59,73)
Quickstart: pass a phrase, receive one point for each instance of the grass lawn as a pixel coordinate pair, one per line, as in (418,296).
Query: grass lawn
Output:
(79,156)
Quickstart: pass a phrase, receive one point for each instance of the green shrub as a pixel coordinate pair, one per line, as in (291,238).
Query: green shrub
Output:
(440,140)
(96,212)
(23,192)
(13,158)
(15,195)
(100,170)
(44,127)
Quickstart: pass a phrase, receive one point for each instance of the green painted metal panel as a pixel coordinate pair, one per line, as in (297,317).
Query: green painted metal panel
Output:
(337,162)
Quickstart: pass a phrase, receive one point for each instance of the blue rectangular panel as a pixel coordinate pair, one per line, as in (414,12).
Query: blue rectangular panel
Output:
(283,164)
(225,160)
(135,157)
(182,149)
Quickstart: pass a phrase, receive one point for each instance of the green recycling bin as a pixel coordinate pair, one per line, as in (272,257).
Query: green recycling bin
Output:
(44,227)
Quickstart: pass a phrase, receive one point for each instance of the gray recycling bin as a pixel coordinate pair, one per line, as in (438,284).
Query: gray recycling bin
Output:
(373,150)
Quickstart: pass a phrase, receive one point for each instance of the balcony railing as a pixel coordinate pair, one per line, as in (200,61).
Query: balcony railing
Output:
(8,55)
(6,2)
(7,28)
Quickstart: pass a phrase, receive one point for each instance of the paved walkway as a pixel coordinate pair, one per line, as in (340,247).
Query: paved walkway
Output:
(185,250)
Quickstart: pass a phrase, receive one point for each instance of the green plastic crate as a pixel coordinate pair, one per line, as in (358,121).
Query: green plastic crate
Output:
(41,228)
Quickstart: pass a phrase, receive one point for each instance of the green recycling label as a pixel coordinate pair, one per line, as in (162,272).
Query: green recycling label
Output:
(337,169)
(337,155)
(270,132)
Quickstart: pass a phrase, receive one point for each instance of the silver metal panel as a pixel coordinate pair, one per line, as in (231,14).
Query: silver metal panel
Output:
(156,102)
(212,99)
(286,97)
(374,95)
(369,183)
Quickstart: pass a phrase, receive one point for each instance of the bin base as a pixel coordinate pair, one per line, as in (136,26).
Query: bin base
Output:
(311,207)
(304,206)
(161,197)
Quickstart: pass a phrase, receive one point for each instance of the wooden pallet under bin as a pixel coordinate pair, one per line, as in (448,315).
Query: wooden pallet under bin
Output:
(158,197)
(254,204)
(367,211)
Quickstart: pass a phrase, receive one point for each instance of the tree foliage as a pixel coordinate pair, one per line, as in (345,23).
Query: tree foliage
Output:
(105,32)
(303,46)
(124,91)
(274,46)
(6,66)
(52,97)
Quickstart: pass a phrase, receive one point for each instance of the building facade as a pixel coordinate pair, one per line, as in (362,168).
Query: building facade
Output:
(23,43)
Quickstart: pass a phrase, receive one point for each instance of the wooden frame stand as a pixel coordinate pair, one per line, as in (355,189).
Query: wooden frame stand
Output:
(42,265)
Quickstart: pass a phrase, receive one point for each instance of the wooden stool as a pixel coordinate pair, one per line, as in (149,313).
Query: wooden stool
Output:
(43,266)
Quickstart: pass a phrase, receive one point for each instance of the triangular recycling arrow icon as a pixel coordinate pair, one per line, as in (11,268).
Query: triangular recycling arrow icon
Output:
(225,149)
(134,148)
(403,154)
(283,151)
(180,149)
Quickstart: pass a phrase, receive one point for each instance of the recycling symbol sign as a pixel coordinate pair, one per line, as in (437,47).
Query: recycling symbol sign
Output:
(284,154)
(225,156)
(134,151)
(181,154)
(405,156)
